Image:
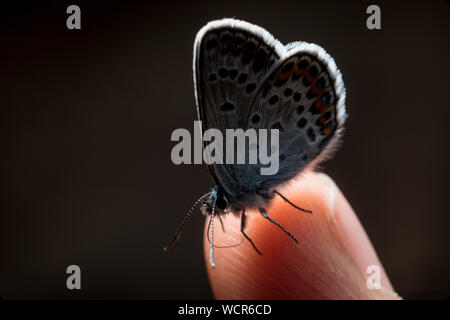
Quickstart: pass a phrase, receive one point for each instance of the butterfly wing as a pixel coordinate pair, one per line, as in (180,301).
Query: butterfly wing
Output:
(303,97)
(244,78)
(231,60)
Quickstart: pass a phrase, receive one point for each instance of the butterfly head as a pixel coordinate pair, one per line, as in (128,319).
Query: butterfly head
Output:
(216,200)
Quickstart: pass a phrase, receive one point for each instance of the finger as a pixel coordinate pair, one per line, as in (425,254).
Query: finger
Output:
(330,261)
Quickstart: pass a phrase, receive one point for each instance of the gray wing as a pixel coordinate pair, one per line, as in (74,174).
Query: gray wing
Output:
(231,60)
(303,97)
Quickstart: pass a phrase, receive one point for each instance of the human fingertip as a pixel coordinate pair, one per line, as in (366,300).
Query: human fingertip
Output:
(326,264)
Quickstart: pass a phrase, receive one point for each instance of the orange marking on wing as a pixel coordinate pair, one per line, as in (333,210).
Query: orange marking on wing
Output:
(316,90)
(320,106)
(297,70)
(283,76)
(322,120)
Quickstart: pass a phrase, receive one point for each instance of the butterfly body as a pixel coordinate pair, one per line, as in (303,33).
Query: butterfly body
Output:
(225,203)
(246,79)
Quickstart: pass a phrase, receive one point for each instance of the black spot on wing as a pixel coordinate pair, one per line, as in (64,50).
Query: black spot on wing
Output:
(287,92)
(238,46)
(311,135)
(287,67)
(256,118)
(211,44)
(320,83)
(301,123)
(249,52)
(242,78)
(278,126)
(227,106)
(261,58)
(302,64)
(313,71)
(326,98)
(225,43)
(212,77)
(273,99)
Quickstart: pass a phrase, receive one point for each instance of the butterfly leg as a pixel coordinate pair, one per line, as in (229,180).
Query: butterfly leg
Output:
(243,224)
(265,215)
(288,201)
(221,223)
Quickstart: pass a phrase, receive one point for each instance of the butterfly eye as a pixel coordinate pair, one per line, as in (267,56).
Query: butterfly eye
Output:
(221,202)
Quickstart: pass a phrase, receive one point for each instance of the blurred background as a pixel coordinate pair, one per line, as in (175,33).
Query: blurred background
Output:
(86,118)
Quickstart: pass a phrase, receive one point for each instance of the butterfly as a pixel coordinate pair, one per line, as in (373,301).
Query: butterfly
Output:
(245,78)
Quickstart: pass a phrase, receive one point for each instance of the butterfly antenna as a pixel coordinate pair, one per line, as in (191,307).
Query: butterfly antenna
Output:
(288,201)
(185,219)
(211,247)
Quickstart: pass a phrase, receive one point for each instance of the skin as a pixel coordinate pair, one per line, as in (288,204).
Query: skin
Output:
(330,261)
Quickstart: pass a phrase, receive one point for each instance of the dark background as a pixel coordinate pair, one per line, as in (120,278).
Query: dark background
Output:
(86,118)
